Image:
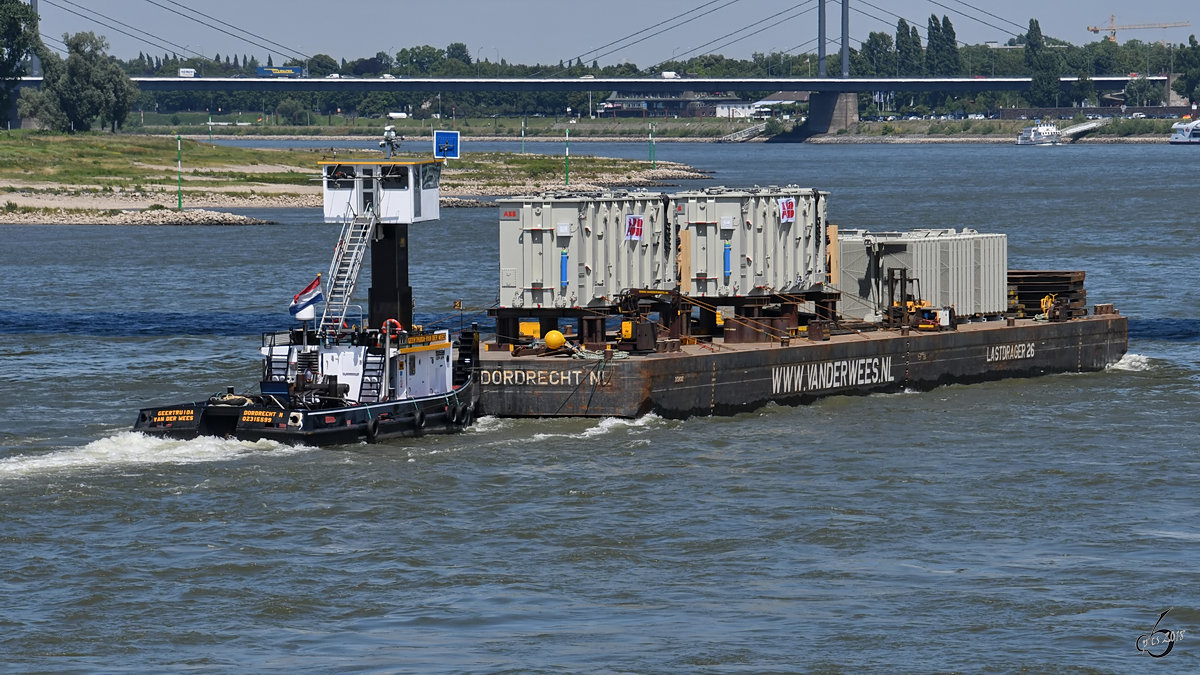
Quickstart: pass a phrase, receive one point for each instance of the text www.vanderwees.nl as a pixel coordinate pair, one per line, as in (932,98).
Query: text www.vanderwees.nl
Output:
(831,374)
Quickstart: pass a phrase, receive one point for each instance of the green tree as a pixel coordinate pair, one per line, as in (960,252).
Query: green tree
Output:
(1084,90)
(933,47)
(420,61)
(1187,63)
(292,111)
(457,51)
(941,51)
(878,56)
(909,59)
(1141,91)
(1043,68)
(18,39)
(87,86)
(951,59)
(376,103)
(319,65)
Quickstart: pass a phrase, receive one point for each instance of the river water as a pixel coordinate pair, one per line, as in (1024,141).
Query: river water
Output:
(1039,524)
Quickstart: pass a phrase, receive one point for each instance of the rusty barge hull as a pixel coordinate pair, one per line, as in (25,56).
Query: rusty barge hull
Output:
(725,379)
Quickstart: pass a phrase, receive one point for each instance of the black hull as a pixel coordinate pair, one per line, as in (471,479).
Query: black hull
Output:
(441,414)
(728,379)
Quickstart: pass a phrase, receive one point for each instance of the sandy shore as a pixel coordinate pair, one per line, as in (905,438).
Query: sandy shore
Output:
(46,203)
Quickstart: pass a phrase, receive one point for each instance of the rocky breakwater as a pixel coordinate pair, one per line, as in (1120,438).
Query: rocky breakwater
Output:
(140,217)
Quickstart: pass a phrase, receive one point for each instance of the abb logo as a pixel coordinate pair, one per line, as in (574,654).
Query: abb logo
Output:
(633,227)
(510,214)
(787,210)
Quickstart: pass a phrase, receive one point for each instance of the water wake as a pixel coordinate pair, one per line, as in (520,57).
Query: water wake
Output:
(128,449)
(609,425)
(1133,362)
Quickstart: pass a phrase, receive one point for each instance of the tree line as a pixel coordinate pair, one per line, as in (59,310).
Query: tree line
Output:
(89,87)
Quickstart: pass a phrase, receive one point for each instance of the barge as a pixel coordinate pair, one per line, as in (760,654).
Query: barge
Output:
(349,375)
(714,377)
(720,301)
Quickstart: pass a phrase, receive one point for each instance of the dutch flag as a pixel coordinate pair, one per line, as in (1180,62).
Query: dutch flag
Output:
(308,297)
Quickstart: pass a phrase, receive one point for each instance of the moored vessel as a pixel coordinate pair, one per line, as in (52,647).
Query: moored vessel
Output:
(1185,133)
(1042,133)
(346,376)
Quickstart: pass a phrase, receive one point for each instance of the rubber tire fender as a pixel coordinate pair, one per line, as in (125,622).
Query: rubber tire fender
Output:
(372,432)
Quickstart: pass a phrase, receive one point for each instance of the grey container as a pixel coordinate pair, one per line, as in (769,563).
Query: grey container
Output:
(565,250)
(752,242)
(965,270)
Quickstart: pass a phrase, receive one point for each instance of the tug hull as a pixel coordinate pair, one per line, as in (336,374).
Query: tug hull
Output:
(441,414)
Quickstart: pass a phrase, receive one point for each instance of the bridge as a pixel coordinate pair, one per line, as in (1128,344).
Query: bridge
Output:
(832,105)
(835,85)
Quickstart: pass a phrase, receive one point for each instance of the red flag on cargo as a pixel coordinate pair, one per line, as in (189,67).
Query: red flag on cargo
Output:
(308,297)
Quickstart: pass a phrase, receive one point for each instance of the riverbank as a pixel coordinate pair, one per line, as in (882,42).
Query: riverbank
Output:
(209,192)
(115,180)
(35,203)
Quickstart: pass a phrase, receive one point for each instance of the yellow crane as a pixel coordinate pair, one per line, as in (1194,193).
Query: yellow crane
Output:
(1112,27)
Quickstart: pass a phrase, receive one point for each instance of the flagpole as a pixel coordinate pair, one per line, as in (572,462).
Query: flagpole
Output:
(179,161)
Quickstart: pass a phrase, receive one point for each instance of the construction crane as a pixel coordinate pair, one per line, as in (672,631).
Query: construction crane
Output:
(1112,27)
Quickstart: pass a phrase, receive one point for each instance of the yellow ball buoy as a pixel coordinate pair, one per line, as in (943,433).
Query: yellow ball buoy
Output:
(555,339)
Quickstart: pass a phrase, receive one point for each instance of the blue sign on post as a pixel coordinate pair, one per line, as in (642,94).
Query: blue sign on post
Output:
(445,144)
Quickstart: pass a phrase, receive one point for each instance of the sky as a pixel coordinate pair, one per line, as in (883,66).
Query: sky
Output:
(643,32)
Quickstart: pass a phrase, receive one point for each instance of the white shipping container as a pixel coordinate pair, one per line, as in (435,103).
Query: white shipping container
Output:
(582,249)
(966,270)
(759,241)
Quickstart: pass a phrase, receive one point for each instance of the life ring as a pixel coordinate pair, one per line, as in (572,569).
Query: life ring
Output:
(391,322)
(372,429)
(419,419)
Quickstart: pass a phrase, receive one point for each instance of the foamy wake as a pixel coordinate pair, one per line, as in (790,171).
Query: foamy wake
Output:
(129,449)
(609,425)
(489,425)
(1134,362)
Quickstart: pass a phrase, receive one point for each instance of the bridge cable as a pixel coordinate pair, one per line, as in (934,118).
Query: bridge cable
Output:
(742,29)
(613,51)
(135,37)
(243,30)
(62,49)
(287,52)
(660,23)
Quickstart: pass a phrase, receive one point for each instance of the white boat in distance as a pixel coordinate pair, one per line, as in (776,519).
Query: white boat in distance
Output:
(1183,133)
(1040,134)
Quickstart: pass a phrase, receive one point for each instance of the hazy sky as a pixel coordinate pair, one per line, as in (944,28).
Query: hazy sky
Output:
(540,31)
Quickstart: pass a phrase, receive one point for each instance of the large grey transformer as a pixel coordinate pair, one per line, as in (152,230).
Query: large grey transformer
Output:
(585,250)
(965,270)
(753,242)
(564,250)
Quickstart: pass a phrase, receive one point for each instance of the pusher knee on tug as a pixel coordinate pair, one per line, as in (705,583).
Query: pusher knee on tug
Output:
(347,377)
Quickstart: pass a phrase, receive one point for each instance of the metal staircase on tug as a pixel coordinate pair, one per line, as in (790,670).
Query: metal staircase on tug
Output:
(344,268)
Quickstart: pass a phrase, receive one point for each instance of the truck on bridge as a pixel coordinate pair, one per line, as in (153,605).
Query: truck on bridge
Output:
(282,71)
